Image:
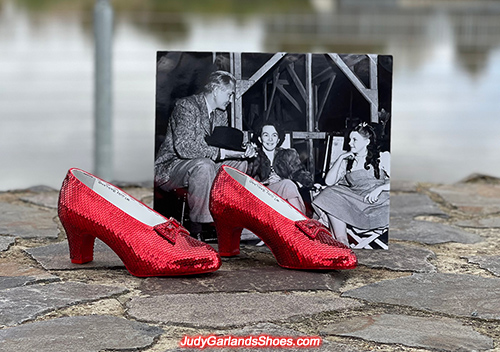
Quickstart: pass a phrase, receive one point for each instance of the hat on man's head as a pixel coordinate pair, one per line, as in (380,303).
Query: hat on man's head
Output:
(227,138)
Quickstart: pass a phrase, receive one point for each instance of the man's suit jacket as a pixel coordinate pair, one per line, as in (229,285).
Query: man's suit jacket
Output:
(189,124)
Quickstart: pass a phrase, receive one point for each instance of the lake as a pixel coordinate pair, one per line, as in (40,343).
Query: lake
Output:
(446,78)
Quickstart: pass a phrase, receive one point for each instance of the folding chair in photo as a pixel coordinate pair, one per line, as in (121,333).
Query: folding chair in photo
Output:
(368,239)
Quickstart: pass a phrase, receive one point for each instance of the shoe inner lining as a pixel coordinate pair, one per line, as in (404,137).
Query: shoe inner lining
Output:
(266,195)
(120,199)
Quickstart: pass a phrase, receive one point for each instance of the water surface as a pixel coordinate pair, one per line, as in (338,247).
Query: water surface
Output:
(446,90)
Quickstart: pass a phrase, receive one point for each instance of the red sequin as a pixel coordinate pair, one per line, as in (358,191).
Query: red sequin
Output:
(311,227)
(303,244)
(161,250)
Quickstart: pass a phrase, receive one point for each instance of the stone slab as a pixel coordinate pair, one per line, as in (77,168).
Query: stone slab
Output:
(11,268)
(81,333)
(443,334)
(7,282)
(451,294)
(49,198)
(403,186)
(140,194)
(243,256)
(264,279)
(488,262)
(480,178)
(250,249)
(429,232)
(56,257)
(41,188)
(474,198)
(493,222)
(44,199)
(398,257)
(25,303)
(6,242)
(27,222)
(409,206)
(247,235)
(149,201)
(220,310)
(277,331)
(126,185)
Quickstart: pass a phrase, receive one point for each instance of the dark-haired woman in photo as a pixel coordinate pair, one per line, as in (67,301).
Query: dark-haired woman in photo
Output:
(357,191)
(278,168)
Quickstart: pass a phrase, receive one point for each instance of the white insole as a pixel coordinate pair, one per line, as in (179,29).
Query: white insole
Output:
(120,199)
(266,195)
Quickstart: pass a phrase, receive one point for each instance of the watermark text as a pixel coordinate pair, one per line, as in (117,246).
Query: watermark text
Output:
(260,341)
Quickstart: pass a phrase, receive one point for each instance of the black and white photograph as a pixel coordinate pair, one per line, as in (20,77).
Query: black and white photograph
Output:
(312,127)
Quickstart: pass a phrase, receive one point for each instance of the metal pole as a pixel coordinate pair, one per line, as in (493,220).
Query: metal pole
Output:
(103,147)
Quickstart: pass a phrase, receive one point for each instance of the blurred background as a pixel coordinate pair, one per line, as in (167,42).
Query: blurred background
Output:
(446,88)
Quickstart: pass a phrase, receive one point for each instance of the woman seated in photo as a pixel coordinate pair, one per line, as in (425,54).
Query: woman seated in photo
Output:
(357,191)
(278,168)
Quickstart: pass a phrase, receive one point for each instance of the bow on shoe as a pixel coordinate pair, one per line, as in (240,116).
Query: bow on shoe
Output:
(170,229)
(312,228)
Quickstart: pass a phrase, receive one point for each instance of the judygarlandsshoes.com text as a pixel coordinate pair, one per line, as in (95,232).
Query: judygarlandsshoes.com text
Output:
(260,341)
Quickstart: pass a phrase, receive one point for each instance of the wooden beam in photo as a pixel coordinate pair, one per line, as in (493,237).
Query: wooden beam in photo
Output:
(289,97)
(373,71)
(282,82)
(236,65)
(296,80)
(276,74)
(370,94)
(237,104)
(248,83)
(323,75)
(243,85)
(327,93)
(374,83)
(309,111)
(264,84)
(316,104)
(267,66)
(374,79)
(352,60)
(326,75)
(308,135)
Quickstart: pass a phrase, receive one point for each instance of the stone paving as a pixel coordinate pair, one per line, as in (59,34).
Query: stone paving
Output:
(27,222)
(437,288)
(80,333)
(413,331)
(6,242)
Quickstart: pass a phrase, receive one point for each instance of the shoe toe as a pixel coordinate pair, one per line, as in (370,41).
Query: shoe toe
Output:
(195,257)
(346,260)
(203,261)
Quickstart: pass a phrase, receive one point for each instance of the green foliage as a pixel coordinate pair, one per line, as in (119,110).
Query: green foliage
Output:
(175,6)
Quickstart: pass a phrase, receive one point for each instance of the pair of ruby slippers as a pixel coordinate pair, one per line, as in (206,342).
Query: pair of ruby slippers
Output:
(151,245)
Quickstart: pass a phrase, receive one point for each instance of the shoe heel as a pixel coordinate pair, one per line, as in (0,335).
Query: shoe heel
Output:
(81,245)
(228,238)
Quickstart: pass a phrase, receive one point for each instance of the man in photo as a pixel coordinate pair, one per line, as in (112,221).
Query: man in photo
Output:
(185,159)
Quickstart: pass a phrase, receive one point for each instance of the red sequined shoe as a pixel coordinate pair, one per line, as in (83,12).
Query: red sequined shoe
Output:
(237,201)
(147,243)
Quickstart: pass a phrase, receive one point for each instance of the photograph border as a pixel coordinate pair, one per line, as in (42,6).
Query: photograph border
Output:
(316,98)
